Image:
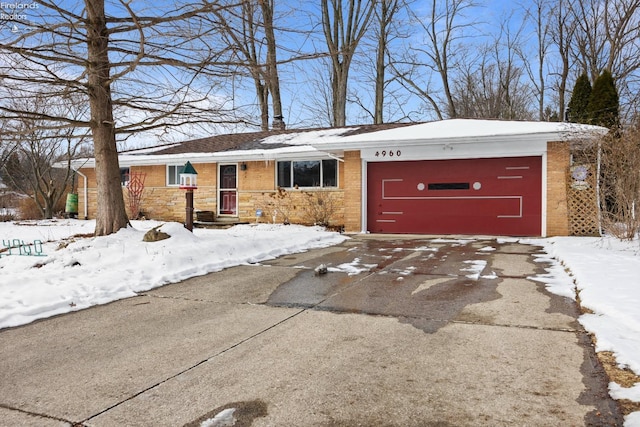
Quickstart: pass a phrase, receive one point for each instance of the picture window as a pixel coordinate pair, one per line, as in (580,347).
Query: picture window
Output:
(307,173)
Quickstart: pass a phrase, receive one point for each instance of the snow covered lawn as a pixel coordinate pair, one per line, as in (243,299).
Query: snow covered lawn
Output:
(605,273)
(78,272)
(71,273)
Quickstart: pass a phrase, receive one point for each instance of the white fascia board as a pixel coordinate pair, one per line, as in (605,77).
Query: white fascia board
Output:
(457,149)
(284,153)
(383,143)
(77,164)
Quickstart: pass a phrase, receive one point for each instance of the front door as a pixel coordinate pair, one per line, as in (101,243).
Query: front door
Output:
(228,190)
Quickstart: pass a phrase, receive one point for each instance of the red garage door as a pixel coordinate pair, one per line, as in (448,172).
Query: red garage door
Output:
(473,196)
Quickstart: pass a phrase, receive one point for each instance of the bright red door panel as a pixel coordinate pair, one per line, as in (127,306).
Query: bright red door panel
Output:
(499,196)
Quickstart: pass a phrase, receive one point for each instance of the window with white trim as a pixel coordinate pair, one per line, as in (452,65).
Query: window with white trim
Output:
(173,175)
(307,173)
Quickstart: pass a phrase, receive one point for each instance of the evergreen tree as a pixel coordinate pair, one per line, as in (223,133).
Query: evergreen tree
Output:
(603,102)
(579,103)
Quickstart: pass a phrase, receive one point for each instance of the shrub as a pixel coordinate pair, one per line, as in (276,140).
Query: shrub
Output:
(319,207)
(620,182)
(303,207)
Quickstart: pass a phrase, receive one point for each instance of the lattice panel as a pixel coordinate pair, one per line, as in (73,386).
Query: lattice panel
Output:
(582,200)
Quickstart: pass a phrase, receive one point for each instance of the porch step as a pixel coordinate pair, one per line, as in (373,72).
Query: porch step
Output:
(205,216)
(219,223)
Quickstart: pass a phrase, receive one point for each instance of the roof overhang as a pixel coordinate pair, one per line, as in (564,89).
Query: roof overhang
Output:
(465,132)
(287,153)
(456,138)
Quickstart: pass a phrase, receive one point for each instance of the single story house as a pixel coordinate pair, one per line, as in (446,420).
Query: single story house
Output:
(458,176)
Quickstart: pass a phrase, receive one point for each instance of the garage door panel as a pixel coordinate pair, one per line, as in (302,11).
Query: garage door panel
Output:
(455,205)
(479,196)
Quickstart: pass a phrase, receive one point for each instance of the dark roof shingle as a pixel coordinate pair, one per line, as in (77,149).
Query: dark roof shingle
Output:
(253,140)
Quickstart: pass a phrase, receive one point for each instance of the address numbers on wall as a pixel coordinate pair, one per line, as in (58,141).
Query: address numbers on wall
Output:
(389,153)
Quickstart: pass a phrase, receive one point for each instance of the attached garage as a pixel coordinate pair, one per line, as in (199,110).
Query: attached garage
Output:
(501,196)
(460,176)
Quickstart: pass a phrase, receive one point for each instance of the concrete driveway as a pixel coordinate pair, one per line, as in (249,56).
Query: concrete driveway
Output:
(402,331)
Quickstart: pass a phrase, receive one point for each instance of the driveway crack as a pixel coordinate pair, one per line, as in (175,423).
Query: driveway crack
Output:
(39,415)
(194,366)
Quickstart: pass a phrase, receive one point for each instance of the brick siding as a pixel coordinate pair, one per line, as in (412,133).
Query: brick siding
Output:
(256,184)
(257,190)
(353,194)
(558,157)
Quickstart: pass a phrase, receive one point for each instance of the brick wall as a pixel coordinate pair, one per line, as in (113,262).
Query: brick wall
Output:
(255,186)
(558,158)
(353,193)
(257,190)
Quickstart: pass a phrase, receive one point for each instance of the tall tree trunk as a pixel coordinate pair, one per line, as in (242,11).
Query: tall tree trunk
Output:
(273,82)
(563,37)
(262,92)
(111,213)
(386,10)
(342,34)
(340,86)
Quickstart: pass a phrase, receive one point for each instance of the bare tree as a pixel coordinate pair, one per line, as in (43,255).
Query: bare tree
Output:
(29,169)
(248,30)
(429,69)
(620,183)
(384,17)
(343,25)
(538,14)
(381,47)
(514,94)
(493,86)
(563,28)
(319,102)
(272,78)
(7,145)
(136,70)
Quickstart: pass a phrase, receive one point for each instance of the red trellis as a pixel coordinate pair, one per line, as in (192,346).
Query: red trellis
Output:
(135,188)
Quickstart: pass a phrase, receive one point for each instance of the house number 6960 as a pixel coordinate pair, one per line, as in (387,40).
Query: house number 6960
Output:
(390,153)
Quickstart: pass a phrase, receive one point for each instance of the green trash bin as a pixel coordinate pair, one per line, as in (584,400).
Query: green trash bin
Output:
(71,208)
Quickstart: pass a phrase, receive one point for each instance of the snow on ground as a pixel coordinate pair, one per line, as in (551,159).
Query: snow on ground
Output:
(475,268)
(78,272)
(353,268)
(90,271)
(605,272)
(223,419)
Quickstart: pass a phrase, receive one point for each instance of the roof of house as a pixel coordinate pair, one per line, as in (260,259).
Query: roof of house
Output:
(292,143)
(263,140)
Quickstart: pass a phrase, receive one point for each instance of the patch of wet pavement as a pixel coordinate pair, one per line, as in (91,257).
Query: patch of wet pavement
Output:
(431,283)
(424,282)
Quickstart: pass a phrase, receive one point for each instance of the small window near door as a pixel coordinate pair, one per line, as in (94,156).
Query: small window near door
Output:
(173,175)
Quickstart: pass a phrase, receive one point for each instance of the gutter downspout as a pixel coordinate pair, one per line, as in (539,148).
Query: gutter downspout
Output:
(85,192)
(334,157)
